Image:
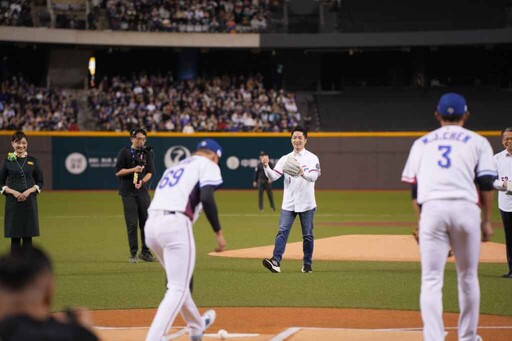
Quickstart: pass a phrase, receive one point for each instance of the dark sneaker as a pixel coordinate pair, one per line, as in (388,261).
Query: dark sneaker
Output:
(146,257)
(133,259)
(272,264)
(307,268)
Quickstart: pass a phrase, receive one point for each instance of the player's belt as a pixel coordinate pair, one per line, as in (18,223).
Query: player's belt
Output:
(165,212)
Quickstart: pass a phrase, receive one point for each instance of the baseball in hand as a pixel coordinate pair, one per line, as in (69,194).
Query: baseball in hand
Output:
(222,334)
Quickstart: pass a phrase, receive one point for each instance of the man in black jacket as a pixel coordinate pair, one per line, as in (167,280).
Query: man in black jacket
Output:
(26,294)
(263,184)
(134,169)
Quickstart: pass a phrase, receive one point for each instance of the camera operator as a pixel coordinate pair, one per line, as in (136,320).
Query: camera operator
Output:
(134,169)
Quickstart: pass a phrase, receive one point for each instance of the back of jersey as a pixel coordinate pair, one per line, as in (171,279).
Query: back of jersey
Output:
(179,188)
(446,162)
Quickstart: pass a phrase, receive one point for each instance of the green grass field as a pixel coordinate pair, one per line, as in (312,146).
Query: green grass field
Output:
(84,233)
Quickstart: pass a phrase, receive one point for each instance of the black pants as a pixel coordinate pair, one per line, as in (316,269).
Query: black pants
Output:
(506,217)
(136,210)
(16,243)
(264,185)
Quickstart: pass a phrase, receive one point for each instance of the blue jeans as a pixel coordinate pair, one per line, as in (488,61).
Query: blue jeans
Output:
(285,225)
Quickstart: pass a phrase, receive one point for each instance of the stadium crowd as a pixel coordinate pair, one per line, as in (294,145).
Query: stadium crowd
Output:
(228,16)
(24,106)
(15,13)
(225,103)
(188,15)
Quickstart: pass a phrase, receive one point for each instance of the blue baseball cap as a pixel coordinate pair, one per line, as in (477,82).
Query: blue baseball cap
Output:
(452,104)
(211,145)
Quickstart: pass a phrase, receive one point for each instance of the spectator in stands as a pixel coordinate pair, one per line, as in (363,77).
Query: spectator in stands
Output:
(159,103)
(188,16)
(24,106)
(15,13)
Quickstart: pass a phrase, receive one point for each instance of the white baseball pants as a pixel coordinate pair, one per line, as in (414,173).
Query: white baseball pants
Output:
(446,223)
(171,239)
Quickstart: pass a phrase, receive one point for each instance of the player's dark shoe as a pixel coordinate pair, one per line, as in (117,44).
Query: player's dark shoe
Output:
(146,257)
(133,259)
(307,268)
(509,275)
(272,264)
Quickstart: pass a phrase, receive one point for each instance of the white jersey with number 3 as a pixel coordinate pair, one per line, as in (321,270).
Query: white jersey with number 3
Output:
(445,163)
(179,188)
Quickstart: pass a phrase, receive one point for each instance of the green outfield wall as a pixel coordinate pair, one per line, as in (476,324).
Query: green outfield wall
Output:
(348,160)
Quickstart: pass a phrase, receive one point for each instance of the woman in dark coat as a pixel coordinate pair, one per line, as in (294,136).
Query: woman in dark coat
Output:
(21,180)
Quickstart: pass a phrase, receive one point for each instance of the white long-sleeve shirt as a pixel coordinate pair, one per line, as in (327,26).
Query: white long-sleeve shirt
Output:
(503,161)
(299,191)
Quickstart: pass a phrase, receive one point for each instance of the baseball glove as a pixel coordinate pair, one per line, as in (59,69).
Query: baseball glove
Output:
(292,166)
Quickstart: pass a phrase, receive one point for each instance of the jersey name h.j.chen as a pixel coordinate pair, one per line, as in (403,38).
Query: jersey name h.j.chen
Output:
(447,135)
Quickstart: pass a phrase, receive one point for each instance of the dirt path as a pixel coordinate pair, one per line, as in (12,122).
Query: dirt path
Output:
(272,321)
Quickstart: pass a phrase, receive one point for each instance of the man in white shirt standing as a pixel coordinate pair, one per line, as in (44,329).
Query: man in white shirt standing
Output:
(445,164)
(298,199)
(504,185)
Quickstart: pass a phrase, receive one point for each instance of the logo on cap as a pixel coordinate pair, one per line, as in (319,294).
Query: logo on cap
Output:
(452,104)
(211,145)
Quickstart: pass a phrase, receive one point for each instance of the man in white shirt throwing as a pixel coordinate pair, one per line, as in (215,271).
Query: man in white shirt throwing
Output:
(504,184)
(301,169)
(445,163)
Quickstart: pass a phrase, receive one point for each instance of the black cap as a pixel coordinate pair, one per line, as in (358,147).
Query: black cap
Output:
(262,153)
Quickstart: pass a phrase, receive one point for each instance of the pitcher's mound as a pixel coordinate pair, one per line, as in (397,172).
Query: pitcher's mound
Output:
(392,248)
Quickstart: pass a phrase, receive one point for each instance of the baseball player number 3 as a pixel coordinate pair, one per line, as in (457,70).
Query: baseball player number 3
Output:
(445,162)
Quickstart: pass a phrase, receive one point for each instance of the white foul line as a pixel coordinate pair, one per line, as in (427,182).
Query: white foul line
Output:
(286,334)
(293,330)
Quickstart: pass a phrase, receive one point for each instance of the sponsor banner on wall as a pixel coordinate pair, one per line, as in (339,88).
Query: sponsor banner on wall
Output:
(89,162)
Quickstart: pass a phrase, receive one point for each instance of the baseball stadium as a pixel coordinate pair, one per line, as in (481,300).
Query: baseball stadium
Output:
(102,100)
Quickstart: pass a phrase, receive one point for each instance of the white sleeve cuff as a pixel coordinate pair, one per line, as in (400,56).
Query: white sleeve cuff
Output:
(311,176)
(37,189)
(498,184)
(3,189)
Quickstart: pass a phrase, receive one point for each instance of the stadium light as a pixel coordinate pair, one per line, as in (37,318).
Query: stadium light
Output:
(92,70)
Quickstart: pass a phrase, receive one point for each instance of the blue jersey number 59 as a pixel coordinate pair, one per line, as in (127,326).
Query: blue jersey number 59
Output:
(445,162)
(171,178)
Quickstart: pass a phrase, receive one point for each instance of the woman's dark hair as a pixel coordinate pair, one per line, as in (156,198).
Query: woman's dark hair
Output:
(18,136)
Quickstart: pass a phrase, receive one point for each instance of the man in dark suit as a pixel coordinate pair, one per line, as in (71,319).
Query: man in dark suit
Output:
(263,184)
